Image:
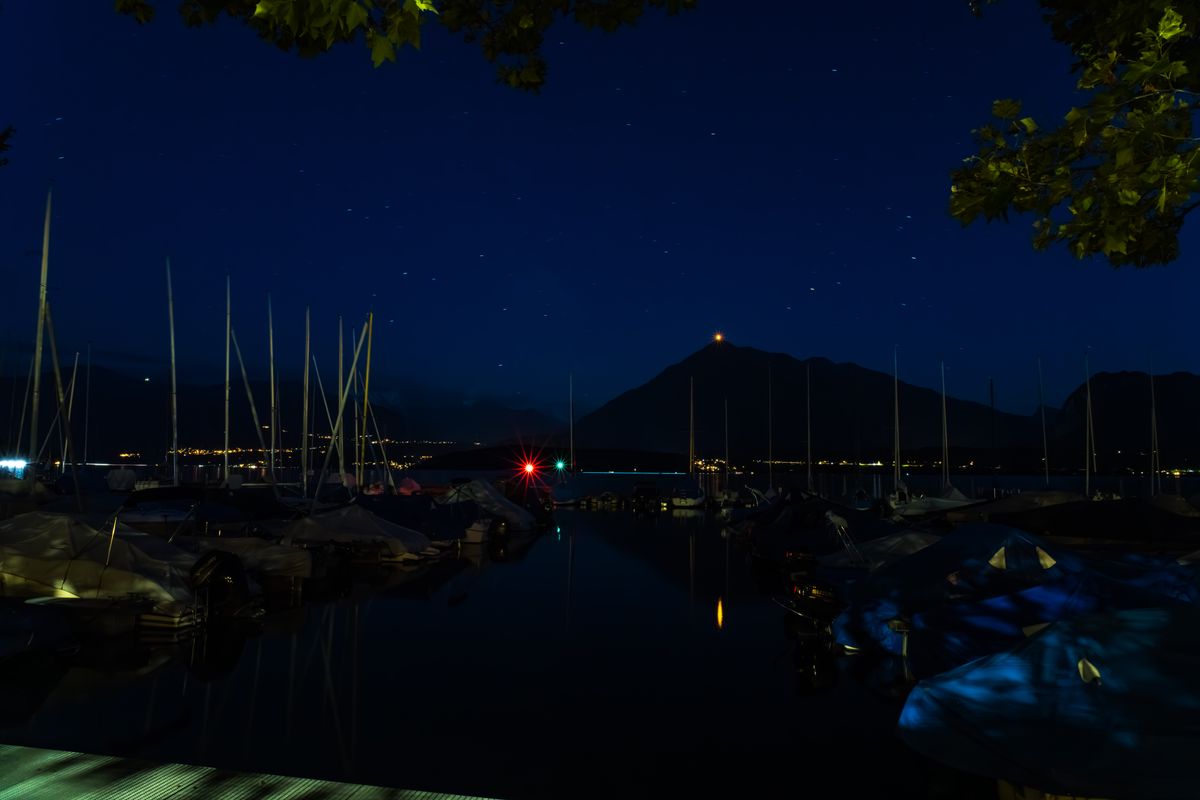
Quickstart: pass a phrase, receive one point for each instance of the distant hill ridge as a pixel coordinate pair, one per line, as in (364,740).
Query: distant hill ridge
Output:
(852,416)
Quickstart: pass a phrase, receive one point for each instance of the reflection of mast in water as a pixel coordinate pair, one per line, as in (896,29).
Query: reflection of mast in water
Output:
(691,570)
(354,684)
(150,705)
(331,693)
(291,689)
(253,696)
(570,573)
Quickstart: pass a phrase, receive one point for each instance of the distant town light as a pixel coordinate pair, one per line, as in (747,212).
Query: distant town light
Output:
(718,337)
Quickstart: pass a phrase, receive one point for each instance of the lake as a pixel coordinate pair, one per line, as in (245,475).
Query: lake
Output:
(587,661)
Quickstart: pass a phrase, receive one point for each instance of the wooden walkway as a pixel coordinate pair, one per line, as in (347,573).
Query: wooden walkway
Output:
(27,773)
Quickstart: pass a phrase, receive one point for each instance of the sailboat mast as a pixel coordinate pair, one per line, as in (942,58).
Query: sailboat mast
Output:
(352,377)
(37,347)
(691,424)
(770,429)
(1045,441)
(896,418)
(174,398)
(571,415)
(337,426)
(945,435)
(68,448)
(271,379)
(304,408)
(726,444)
(808,421)
(1155,460)
(1087,429)
(228,334)
(71,397)
(339,434)
(362,459)
(87,402)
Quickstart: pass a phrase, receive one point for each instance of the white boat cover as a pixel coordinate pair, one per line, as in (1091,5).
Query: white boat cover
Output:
(354,524)
(879,552)
(490,502)
(121,479)
(56,555)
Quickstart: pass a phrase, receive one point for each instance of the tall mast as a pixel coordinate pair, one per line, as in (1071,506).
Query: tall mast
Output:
(228,334)
(1045,441)
(896,418)
(362,459)
(352,376)
(68,448)
(571,415)
(1155,461)
(71,388)
(87,402)
(174,406)
(808,421)
(1087,429)
(304,410)
(691,424)
(726,444)
(945,433)
(271,380)
(337,426)
(770,429)
(37,346)
(339,434)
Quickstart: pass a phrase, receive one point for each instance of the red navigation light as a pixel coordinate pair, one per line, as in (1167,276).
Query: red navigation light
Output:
(529,468)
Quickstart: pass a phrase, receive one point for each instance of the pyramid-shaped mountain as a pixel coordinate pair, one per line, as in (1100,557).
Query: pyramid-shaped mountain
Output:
(852,412)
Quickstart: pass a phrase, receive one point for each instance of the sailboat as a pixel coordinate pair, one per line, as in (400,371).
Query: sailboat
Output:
(688,493)
(950,497)
(899,498)
(567,492)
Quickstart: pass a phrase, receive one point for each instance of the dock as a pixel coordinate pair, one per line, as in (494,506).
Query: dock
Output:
(28,773)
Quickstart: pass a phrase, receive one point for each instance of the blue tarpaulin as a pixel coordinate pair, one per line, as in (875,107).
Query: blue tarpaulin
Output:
(1101,705)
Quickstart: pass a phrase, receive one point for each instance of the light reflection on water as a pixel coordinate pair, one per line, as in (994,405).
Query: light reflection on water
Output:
(584,662)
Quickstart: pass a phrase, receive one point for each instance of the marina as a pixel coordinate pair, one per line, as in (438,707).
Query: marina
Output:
(488,400)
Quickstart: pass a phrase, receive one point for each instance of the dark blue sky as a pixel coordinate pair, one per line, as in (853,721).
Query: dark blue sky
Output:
(780,177)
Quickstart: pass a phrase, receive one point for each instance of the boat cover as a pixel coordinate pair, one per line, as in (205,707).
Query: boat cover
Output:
(980,589)
(56,555)
(1098,706)
(491,502)
(353,524)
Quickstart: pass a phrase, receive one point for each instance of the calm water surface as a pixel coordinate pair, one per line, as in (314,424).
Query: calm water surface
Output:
(587,662)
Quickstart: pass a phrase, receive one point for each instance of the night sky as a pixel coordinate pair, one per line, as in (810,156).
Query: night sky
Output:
(783,178)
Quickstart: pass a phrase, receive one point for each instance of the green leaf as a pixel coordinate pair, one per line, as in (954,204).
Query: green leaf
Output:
(1124,156)
(1171,25)
(1006,109)
(1128,197)
(1114,242)
(356,16)
(381,50)
(1029,125)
